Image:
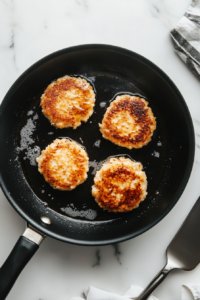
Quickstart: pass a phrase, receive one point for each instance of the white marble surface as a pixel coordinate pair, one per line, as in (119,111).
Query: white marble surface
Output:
(33,29)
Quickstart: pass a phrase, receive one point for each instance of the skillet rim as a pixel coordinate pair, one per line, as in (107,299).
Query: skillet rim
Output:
(190,126)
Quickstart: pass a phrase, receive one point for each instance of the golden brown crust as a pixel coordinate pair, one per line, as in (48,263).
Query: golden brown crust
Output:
(64,164)
(128,122)
(120,185)
(68,101)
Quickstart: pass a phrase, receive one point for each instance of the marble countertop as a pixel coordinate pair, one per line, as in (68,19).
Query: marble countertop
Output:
(32,29)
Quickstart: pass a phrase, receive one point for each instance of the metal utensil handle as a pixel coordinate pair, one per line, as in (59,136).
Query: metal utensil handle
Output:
(153,284)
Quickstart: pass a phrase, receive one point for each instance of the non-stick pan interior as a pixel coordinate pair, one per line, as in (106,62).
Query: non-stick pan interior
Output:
(24,132)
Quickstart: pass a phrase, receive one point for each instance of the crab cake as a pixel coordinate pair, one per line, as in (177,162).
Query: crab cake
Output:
(64,164)
(120,185)
(128,122)
(68,101)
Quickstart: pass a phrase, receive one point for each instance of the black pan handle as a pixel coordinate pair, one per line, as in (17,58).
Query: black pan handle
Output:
(22,252)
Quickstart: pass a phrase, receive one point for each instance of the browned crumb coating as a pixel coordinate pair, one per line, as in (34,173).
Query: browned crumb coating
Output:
(64,164)
(68,101)
(120,185)
(128,122)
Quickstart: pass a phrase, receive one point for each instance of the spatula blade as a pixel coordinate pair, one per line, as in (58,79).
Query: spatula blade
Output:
(184,249)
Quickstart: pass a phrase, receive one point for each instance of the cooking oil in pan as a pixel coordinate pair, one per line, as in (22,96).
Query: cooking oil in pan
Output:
(72,211)
(102,104)
(31,151)
(127,93)
(97,165)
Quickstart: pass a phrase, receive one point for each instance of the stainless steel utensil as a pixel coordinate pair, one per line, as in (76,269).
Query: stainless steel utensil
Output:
(183,252)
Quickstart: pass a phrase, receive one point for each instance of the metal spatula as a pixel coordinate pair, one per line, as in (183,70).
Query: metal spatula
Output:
(183,252)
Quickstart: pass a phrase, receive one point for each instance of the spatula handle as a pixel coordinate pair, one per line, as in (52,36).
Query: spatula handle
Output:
(154,283)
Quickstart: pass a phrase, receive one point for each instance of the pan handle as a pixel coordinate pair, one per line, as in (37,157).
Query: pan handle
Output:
(22,252)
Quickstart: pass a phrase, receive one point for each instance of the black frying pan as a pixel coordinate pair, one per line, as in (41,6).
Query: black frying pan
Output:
(75,217)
